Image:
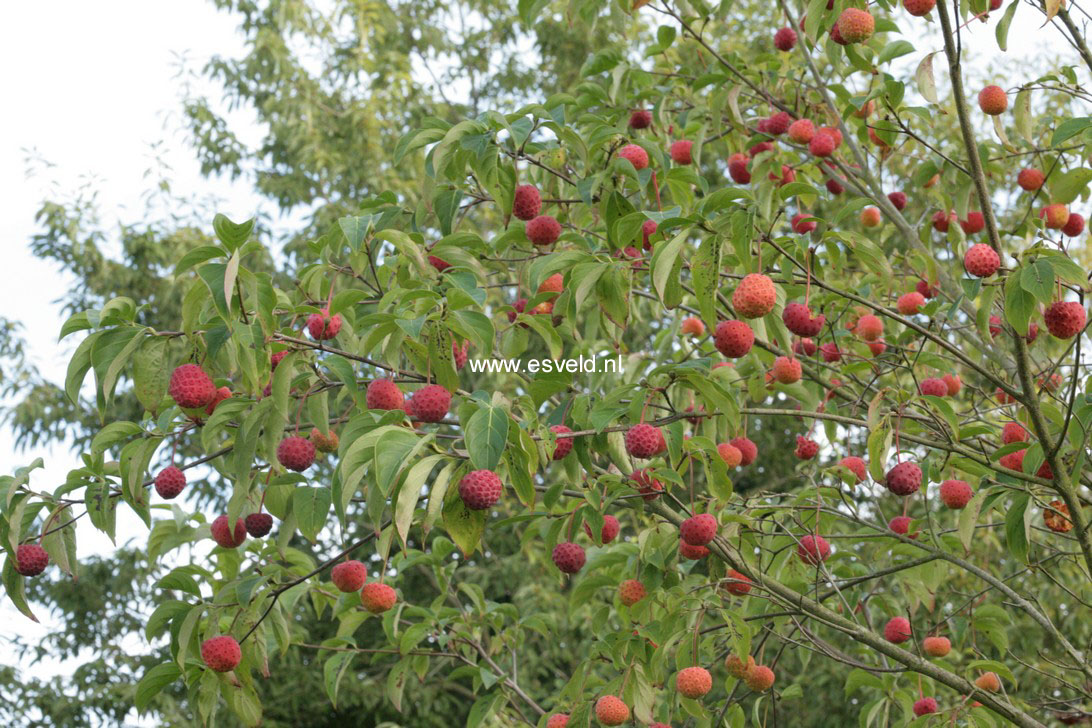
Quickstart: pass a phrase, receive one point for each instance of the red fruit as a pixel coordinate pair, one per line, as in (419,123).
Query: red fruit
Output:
(747,449)
(901,525)
(1013,432)
(898,199)
(1056,517)
(737,168)
(647,486)
(699,530)
(1064,319)
(378,598)
(692,326)
(996,4)
(30,559)
(384,394)
(520,306)
(919,7)
(569,557)
(276,358)
(190,387)
(439,263)
(349,576)
(755,296)
(635,155)
(738,584)
(1056,216)
(813,550)
(560,720)
(806,448)
(169,482)
(925,706)
(822,144)
(221,394)
(526,203)
(993,100)
(644,441)
(296,453)
(941,220)
(974,223)
(925,289)
(460,353)
(224,536)
(610,710)
(564,444)
(904,478)
(630,592)
(798,320)
(430,403)
(953,384)
(802,130)
(855,25)
(981,260)
(221,654)
(910,303)
(323,326)
(955,493)
(640,119)
(694,682)
(897,630)
(877,347)
(680,151)
(787,176)
(778,124)
(869,327)
(1074,226)
(693,553)
(1030,179)
(870,217)
(786,370)
(995,325)
(836,36)
(761,146)
(648,228)
(733,339)
(480,489)
(934,386)
(856,466)
(804,347)
(988,681)
(801,225)
(1013,461)
(737,668)
(608,533)
(830,353)
(784,39)
(936,646)
(543,230)
(759,678)
(258,525)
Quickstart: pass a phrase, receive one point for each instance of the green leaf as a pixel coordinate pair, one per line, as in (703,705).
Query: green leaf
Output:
(13,587)
(310,506)
(153,682)
(463,525)
(968,518)
(1067,187)
(232,234)
(663,261)
(486,434)
(894,50)
(410,493)
(1002,31)
(151,373)
(1038,280)
(1016,534)
(334,669)
(1069,129)
(1019,304)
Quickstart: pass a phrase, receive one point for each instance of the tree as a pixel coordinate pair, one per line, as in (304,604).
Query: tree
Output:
(923,548)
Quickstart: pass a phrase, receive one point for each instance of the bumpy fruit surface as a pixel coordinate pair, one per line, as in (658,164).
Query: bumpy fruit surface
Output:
(747,448)
(564,444)
(640,119)
(925,706)
(993,100)
(30,559)
(322,326)
(349,576)
(608,532)
(258,525)
(856,466)
(221,654)
(936,646)
(630,592)
(384,394)
(560,720)
(1055,216)
(324,443)
(680,151)
(806,448)
(856,25)
(787,370)
(296,453)
(190,387)
(798,320)
(869,327)
(378,598)
(737,667)
(543,230)
(610,710)
(569,557)
(901,526)
(1064,319)
(801,131)
(460,353)
(919,8)
(644,441)
(698,530)
(904,478)
(694,682)
(755,296)
(733,339)
(897,630)
(635,155)
(988,681)
(813,549)
(1013,432)
(822,144)
(480,489)
(981,260)
(910,303)
(956,494)
(169,482)
(934,386)
(1056,517)
(687,551)
(431,403)
(224,536)
(737,583)
(646,485)
(526,203)
(759,678)
(784,39)
(221,394)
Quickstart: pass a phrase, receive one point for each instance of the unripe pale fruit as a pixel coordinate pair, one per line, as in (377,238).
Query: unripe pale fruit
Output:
(856,25)
(378,598)
(169,482)
(221,654)
(759,678)
(699,530)
(904,478)
(1065,319)
(993,100)
(223,535)
(296,453)
(981,260)
(733,339)
(897,630)
(936,646)
(349,576)
(910,303)
(30,559)
(644,441)
(955,493)
(526,203)
(988,681)
(569,557)
(680,151)
(543,230)
(480,489)
(1055,216)
(635,155)
(870,217)
(813,549)
(694,682)
(191,387)
(611,711)
(322,326)
(630,592)
(787,370)
(755,296)
(324,443)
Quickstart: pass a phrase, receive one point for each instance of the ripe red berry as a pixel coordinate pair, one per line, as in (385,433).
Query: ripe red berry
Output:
(611,711)
(856,25)
(993,100)
(738,168)
(759,678)
(608,533)
(747,449)
(738,584)
(904,478)
(169,482)
(564,445)
(630,592)
(934,386)
(870,217)
(635,155)
(560,720)
(526,202)
(378,598)
(640,119)
(30,559)
(699,530)
(822,144)
(569,557)
(919,8)
(830,353)
(801,225)
(438,263)
(786,370)
(1074,226)
(1030,179)
(898,199)
(688,551)
(925,706)
(901,525)
(897,630)
(543,230)
(869,327)
(323,326)
(733,339)
(813,549)
(942,220)
(936,646)
(955,493)
(223,535)
(974,223)
(925,289)
(694,682)
(430,403)
(680,151)
(648,228)
(981,260)
(1065,319)
(296,453)
(190,387)
(836,36)
(221,654)
(953,383)
(801,131)
(480,489)
(349,576)
(692,326)
(804,347)
(784,39)
(798,319)
(806,448)
(910,303)
(988,681)
(384,394)
(225,393)
(856,466)
(755,296)
(644,441)
(258,524)
(1013,432)
(646,485)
